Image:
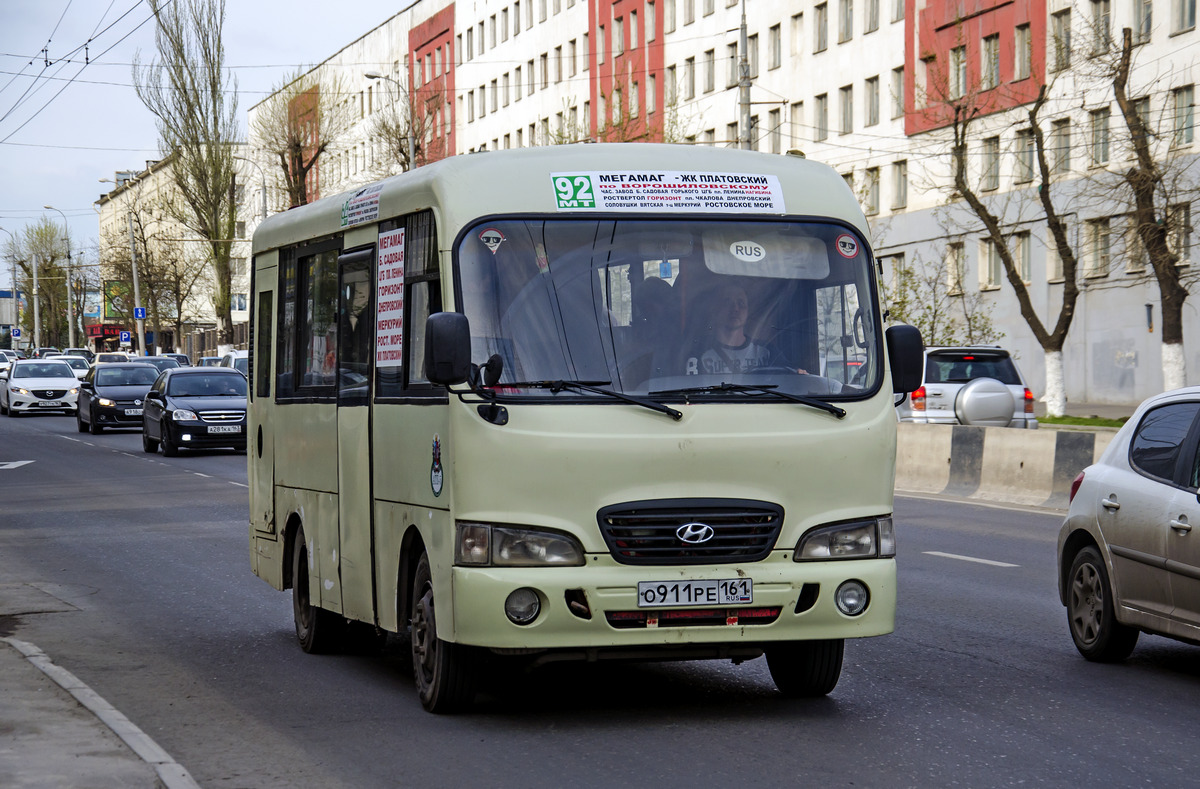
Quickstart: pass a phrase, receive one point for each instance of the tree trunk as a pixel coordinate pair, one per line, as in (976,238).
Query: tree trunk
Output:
(1056,392)
(1173,366)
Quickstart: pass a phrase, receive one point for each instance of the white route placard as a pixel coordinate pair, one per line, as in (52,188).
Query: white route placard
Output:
(668,190)
(389,300)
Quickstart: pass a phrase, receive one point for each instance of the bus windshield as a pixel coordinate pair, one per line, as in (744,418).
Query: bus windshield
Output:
(671,307)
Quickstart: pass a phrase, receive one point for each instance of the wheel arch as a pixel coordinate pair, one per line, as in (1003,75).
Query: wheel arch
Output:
(1075,542)
(289,543)
(411,548)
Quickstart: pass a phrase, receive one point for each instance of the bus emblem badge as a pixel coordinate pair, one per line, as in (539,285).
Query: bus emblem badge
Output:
(695,533)
(435,472)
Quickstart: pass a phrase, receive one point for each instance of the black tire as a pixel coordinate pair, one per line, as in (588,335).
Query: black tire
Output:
(79,423)
(1090,615)
(3,408)
(169,448)
(445,673)
(94,427)
(149,445)
(806,669)
(318,630)
(12,412)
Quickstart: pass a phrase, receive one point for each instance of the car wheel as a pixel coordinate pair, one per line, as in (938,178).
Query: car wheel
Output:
(149,445)
(169,448)
(806,669)
(3,407)
(1094,627)
(79,425)
(318,630)
(445,672)
(12,412)
(94,427)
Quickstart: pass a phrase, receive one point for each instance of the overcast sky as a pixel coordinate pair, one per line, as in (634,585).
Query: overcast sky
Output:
(66,125)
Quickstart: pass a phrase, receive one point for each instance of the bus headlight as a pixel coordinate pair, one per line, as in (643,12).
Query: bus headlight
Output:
(484,544)
(865,539)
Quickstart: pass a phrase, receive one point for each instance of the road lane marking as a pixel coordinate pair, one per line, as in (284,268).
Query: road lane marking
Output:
(970,559)
(9,465)
(239,484)
(198,474)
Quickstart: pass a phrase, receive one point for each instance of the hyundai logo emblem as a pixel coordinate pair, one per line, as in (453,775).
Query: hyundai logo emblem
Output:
(695,533)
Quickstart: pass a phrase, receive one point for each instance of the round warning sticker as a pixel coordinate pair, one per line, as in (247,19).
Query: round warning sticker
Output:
(847,246)
(492,239)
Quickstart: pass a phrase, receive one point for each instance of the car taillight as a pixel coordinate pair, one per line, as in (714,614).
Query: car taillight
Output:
(1075,487)
(1028,401)
(918,399)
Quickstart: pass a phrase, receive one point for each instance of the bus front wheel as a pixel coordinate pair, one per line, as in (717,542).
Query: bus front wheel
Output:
(445,673)
(805,669)
(317,629)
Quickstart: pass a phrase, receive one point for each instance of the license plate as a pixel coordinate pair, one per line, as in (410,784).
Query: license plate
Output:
(49,404)
(225,428)
(133,412)
(658,594)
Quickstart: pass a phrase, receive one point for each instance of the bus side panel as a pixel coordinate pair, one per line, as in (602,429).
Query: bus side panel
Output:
(354,514)
(318,516)
(308,459)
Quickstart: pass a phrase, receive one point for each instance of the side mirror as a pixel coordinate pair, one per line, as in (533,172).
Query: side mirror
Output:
(906,357)
(447,348)
(85,384)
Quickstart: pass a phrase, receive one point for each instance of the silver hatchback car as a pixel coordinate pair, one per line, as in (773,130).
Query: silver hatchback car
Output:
(970,385)
(1127,559)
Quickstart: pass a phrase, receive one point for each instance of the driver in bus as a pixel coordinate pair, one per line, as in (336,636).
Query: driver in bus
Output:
(730,349)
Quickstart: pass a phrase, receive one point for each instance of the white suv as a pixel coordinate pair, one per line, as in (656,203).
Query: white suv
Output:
(970,385)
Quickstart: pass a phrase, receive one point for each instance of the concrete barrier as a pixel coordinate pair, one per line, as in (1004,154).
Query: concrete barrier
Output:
(1032,467)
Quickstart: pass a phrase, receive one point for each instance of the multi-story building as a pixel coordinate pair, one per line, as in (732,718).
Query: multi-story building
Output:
(872,88)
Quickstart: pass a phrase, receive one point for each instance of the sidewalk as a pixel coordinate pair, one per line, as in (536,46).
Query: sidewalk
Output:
(1102,410)
(56,732)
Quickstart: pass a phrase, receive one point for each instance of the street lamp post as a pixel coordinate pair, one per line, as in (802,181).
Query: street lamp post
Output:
(412,154)
(137,293)
(70,278)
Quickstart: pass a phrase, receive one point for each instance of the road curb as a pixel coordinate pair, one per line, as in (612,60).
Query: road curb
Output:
(170,773)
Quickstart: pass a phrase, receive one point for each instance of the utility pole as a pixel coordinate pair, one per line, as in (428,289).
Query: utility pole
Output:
(70,278)
(743,85)
(137,292)
(37,313)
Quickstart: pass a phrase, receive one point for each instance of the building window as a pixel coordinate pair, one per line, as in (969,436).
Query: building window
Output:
(1141,21)
(544,62)
(709,7)
(797,123)
(558,64)
(1098,249)
(958,72)
(689,79)
(651,93)
(871,192)
(1183,16)
(600,47)
(1179,239)
(821,28)
(797,34)
(775,130)
(672,87)
(572,59)
(1184,114)
(689,12)
(871,23)
(1023,256)
(669,16)
(872,102)
(989,265)
(517,82)
(774,47)
(731,135)
(897,10)
(990,63)
(634,100)
(633,30)
(752,55)
(651,21)
(847,105)
(1023,61)
(731,54)
(845,20)
(1101,26)
(583,52)
(954,268)
(991,164)
(1135,250)
(899,184)
(1054,269)
(898,92)
(1025,155)
(710,71)
(618,36)
(1099,146)
(821,121)
(1060,134)
(1060,40)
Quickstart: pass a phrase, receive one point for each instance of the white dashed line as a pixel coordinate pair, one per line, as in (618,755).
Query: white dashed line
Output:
(239,484)
(970,559)
(198,474)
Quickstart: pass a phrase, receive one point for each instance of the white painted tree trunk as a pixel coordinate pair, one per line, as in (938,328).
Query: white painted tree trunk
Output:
(1056,393)
(1174,373)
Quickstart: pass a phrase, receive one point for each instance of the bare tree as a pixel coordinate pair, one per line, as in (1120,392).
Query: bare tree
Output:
(390,127)
(1154,188)
(922,295)
(194,101)
(44,243)
(296,125)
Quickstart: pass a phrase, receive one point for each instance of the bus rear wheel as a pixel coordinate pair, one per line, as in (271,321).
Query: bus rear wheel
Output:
(806,669)
(445,673)
(319,631)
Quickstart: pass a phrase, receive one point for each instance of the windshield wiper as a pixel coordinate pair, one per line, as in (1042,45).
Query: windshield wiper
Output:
(594,387)
(771,389)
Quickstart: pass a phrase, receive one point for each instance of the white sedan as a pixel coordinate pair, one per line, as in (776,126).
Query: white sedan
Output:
(1128,558)
(33,385)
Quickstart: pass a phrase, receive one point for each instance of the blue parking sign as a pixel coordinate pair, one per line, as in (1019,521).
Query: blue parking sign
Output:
(139,313)
(125,338)
(16,333)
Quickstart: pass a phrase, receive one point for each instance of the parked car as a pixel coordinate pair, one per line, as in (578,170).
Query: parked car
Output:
(210,361)
(108,357)
(158,362)
(238,360)
(6,358)
(183,359)
(86,353)
(78,364)
(34,385)
(111,395)
(970,385)
(195,408)
(41,353)
(1127,560)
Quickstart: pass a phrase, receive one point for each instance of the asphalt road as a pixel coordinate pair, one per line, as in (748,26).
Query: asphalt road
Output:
(145,559)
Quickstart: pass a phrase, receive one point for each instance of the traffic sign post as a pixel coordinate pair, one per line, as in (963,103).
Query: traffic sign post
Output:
(126,338)
(139,313)
(16,333)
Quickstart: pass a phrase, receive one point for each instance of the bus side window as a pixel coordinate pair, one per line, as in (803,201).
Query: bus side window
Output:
(262,346)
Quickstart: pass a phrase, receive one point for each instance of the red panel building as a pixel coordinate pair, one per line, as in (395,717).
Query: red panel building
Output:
(1004,37)
(431,72)
(626,58)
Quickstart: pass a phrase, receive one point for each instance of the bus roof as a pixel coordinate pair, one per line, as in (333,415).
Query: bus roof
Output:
(518,181)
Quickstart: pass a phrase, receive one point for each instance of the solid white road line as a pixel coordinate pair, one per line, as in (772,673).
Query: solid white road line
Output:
(970,559)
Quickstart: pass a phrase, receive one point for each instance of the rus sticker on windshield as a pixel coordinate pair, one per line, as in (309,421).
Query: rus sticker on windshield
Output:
(725,193)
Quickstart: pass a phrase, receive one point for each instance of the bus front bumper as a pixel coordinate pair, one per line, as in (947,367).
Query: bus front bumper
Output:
(596,605)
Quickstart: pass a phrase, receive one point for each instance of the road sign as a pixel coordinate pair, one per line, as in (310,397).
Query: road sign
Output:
(16,333)
(125,338)
(139,313)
